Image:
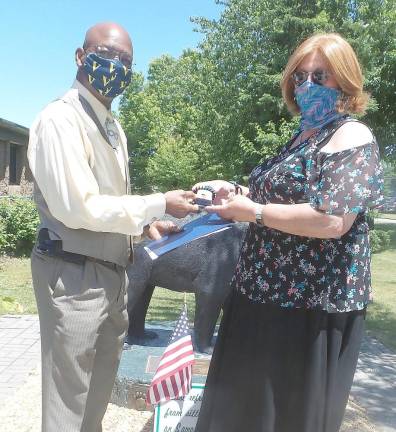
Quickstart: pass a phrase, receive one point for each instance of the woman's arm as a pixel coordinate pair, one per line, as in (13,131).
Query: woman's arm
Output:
(303,220)
(298,219)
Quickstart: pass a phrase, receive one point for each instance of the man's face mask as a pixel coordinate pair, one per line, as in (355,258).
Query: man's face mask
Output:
(108,76)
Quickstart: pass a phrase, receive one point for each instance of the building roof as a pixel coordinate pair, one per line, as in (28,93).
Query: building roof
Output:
(13,127)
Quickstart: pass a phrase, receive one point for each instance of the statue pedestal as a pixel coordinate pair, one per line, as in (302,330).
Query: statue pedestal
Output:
(139,363)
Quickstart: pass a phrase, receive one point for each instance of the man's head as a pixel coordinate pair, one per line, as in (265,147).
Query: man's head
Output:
(105,60)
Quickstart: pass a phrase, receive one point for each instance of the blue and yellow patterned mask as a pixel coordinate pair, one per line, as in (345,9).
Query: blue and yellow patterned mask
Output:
(317,104)
(108,76)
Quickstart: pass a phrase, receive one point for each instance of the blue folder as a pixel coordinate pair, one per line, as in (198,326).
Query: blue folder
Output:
(200,227)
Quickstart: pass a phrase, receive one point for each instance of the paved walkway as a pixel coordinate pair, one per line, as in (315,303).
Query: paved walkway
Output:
(19,351)
(374,386)
(385,221)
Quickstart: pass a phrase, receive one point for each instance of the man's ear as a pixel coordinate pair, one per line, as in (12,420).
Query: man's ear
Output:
(79,57)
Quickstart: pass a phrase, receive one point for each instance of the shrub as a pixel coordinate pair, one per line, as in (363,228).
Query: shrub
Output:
(379,240)
(3,237)
(371,216)
(18,224)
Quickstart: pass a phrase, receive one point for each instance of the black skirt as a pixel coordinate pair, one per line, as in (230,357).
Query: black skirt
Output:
(280,370)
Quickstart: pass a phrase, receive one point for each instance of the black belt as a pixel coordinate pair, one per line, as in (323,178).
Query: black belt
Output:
(53,248)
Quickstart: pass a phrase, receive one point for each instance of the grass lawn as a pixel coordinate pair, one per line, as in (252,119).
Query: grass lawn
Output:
(381,317)
(16,293)
(166,305)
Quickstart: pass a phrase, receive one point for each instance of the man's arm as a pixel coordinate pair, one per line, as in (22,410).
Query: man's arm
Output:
(61,169)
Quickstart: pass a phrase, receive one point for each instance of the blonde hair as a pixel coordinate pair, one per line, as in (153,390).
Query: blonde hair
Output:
(343,64)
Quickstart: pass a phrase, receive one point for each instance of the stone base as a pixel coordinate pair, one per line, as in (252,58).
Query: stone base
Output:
(139,364)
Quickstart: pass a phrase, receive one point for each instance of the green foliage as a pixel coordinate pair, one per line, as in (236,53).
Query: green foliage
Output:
(18,224)
(389,179)
(222,102)
(164,111)
(379,52)
(3,235)
(379,240)
(174,165)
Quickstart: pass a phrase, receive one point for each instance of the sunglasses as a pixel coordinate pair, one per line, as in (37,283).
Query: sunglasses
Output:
(111,54)
(318,76)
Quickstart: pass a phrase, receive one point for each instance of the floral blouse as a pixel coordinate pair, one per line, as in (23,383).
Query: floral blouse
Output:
(305,272)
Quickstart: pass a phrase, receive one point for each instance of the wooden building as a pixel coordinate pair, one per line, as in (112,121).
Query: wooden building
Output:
(15,175)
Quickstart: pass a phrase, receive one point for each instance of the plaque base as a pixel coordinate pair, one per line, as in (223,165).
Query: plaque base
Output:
(139,363)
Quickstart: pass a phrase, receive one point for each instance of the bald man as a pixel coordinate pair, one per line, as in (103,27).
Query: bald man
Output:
(78,156)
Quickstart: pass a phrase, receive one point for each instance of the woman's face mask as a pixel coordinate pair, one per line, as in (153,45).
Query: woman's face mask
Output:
(317,103)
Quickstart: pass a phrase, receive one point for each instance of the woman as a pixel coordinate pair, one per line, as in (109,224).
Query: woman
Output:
(289,340)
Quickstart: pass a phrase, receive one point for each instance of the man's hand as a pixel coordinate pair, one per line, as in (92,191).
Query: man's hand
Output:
(158,229)
(179,203)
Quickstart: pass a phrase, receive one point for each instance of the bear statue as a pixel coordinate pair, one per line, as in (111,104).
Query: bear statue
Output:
(203,267)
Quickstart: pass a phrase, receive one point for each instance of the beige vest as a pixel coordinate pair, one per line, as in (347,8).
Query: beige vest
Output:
(106,246)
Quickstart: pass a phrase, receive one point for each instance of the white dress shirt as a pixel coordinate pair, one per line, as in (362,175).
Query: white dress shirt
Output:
(83,179)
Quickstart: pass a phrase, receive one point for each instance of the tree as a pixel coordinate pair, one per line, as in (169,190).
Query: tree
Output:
(222,102)
(167,110)
(252,42)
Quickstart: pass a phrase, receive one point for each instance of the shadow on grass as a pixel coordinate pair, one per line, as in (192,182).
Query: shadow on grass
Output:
(168,312)
(382,323)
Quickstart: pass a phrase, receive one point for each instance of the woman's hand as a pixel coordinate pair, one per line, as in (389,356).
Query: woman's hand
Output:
(158,229)
(223,189)
(238,208)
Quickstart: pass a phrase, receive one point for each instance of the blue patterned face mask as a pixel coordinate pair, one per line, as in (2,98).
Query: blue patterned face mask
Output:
(108,76)
(317,104)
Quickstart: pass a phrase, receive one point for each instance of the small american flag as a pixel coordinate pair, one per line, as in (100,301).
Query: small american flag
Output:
(173,376)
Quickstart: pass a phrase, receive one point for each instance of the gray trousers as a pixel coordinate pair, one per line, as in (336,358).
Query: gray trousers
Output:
(83,318)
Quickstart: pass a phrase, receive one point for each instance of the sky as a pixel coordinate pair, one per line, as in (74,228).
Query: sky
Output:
(38,39)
